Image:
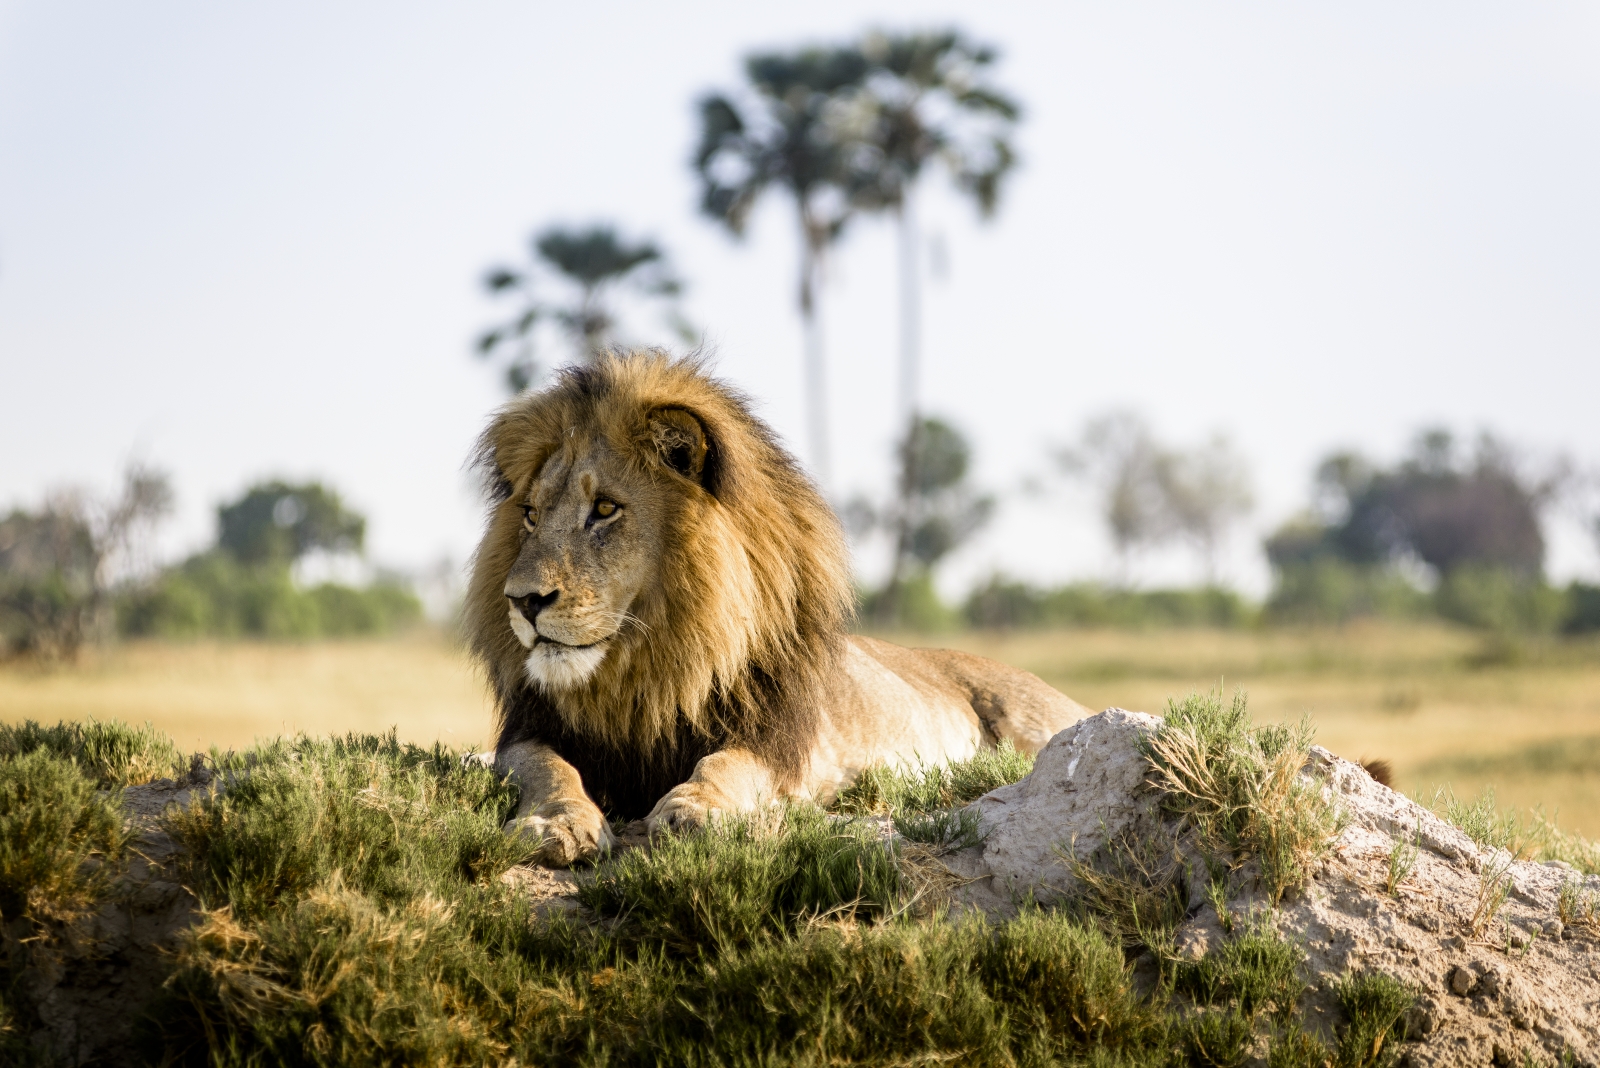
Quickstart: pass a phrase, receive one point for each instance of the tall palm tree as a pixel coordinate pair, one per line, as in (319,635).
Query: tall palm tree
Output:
(593,261)
(923,99)
(782,133)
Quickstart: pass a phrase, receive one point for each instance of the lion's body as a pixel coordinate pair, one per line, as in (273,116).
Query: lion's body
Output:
(661,598)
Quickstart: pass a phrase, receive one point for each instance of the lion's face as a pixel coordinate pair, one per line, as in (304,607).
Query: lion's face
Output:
(653,558)
(591,548)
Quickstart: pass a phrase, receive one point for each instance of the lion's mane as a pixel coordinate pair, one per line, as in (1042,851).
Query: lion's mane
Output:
(754,576)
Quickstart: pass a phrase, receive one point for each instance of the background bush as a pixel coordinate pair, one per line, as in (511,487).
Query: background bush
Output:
(213,595)
(1003,602)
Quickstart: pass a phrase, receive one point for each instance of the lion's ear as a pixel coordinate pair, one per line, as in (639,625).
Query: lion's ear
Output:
(680,442)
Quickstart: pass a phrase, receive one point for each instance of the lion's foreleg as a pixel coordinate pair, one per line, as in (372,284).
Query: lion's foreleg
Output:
(553,808)
(731,780)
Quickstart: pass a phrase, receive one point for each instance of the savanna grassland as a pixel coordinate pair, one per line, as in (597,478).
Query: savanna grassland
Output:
(1447,707)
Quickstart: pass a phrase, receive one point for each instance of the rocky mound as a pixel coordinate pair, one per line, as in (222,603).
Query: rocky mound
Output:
(1480,936)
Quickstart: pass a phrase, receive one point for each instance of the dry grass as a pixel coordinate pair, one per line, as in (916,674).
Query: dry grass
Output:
(1419,696)
(230,693)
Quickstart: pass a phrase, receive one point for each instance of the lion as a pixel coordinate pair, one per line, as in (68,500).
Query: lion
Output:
(661,599)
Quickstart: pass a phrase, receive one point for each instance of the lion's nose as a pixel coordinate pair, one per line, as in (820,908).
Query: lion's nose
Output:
(531,604)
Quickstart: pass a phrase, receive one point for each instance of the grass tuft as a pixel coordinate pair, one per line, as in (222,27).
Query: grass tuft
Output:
(1403,853)
(391,819)
(1250,972)
(1293,1047)
(1217,1039)
(1374,1005)
(748,878)
(1134,888)
(113,754)
(58,835)
(908,791)
(1576,904)
(944,832)
(1494,886)
(1241,787)
(1490,826)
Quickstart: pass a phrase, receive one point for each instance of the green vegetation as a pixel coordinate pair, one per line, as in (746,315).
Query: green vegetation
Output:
(243,586)
(1240,787)
(354,912)
(1374,1005)
(61,839)
(213,595)
(1003,603)
(904,791)
(53,820)
(1403,853)
(109,754)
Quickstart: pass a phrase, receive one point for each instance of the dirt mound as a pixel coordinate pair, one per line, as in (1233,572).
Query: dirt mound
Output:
(1481,937)
(89,983)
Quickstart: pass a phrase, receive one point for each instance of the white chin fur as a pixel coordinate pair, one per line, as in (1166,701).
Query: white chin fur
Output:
(563,667)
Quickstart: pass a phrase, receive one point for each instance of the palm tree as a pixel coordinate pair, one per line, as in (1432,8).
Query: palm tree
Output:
(923,99)
(783,133)
(593,261)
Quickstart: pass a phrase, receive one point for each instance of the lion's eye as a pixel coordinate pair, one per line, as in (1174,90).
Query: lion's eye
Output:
(605,509)
(529,517)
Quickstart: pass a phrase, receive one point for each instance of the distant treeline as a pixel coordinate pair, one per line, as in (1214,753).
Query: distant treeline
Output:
(1327,593)
(243,585)
(70,571)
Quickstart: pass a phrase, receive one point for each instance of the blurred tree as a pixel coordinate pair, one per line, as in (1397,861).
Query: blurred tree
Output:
(59,565)
(1436,506)
(245,586)
(1469,521)
(936,510)
(275,523)
(923,99)
(594,262)
(1152,494)
(784,132)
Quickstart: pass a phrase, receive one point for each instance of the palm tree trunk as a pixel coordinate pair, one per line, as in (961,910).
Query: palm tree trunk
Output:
(816,386)
(910,345)
(910,310)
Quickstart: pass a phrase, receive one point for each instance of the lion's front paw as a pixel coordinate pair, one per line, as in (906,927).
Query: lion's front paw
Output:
(567,832)
(683,808)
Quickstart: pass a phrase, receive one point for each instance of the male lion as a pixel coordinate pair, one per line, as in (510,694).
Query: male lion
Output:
(661,600)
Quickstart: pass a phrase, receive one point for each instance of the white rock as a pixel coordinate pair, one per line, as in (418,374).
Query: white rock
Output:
(1087,785)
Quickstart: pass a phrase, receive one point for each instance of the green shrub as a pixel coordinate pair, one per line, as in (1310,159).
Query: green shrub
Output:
(915,606)
(748,878)
(395,820)
(902,791)
(1499,600)
(214,595)
(1003,604)
(1066,977)
(1250,972)
(1328,590)
(946,830)
(112,754)
(1583,609)
(57,835)
(1374,1006)
(1241,786)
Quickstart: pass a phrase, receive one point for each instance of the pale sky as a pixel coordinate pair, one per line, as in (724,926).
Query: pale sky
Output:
(242,241)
